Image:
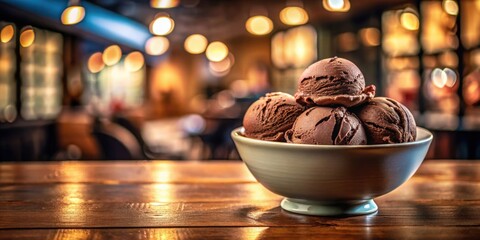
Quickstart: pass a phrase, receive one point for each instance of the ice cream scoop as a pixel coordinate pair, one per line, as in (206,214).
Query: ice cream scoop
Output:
(333,82)
(327,126)
(270,116)
(387,121)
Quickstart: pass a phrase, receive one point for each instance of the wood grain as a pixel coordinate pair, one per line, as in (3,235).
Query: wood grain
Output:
(257,233)
(218,200)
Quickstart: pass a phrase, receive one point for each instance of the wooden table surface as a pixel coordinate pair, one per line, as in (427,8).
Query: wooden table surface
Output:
(218,200)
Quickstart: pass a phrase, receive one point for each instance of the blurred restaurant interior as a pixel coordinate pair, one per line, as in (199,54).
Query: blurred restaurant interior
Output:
(160,79)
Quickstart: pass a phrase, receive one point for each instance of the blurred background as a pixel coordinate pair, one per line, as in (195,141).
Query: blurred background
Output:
(160,79)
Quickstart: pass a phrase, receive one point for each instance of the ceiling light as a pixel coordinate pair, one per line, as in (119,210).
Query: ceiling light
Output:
(7,33)
(162,25)
(293,16)
(111,55)
(27,37)
(157,45)
(409,20)
(336,5)
(259,25)
(216,51)
(195,43)
(450,7)
(134,61)
(95,62)
(164,3)
(73,14)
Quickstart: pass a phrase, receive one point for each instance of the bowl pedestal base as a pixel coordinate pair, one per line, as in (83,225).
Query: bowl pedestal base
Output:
(337,208)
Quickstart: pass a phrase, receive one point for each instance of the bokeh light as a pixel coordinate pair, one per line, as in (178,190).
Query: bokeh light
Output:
(216,51)
(336,5)
(259,25)
(195,43)
(27,37)
(293,16)
(450,7)
(95,63)
(162,25)
(111,55)
(409,21)
(370,36)
(157,45)
(73,15)
(134,61)
(164,3)
(7,33)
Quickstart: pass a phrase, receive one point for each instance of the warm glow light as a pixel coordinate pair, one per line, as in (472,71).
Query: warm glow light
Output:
(162,25)
(27,37)
(134,61)
(370,36)
(259,25)
(95,63)
(300,46)
(164,3)
(111,55)
(73,15)
(409,21)
(223,65)
(157,46)
(293,16)
(216,51)
(195,44)
(278,50)
(450,7)
(7,33)
(439,77)
(336,5)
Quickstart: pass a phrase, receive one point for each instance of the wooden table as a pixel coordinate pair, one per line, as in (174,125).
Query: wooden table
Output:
(218,200)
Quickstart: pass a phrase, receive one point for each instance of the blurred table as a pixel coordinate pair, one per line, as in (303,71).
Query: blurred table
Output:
(218,200)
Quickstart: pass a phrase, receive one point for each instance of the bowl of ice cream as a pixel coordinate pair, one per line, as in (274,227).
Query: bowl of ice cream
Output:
(333,147)
(331,179)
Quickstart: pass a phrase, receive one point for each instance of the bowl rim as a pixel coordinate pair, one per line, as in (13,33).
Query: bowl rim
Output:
(237,136)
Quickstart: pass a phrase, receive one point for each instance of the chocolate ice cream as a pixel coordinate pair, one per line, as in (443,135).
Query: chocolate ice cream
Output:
(333,82)
(387,121)
(327,126)
(269,117)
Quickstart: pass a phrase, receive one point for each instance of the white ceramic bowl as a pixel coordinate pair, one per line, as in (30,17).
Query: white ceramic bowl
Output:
(330,179)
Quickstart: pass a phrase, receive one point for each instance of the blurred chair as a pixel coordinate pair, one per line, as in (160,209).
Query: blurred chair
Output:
(147,152)
(116,142)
